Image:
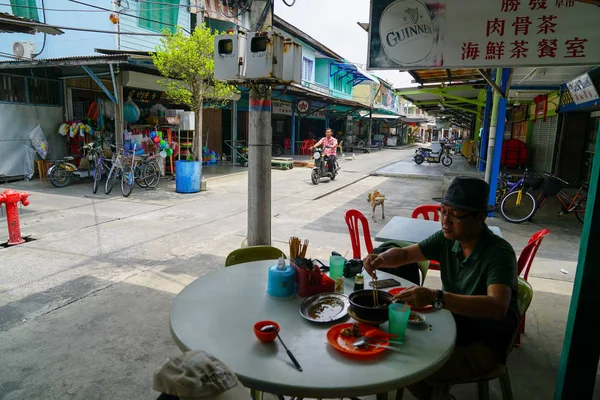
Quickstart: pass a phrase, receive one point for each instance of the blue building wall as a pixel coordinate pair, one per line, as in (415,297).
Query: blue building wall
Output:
(77,43)
(322,71)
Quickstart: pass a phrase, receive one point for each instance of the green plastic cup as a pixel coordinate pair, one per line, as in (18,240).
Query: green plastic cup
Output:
(336,272)
(398,320)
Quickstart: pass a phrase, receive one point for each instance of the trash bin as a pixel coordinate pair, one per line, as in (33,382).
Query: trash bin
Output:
(187,176)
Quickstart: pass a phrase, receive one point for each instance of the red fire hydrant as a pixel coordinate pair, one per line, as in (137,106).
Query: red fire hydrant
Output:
(11,198)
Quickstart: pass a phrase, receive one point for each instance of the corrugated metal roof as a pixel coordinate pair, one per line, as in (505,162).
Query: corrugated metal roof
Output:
(425,76)
(65,61)
(12,24)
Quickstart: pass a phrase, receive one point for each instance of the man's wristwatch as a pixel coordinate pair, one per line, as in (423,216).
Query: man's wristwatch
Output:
(438,303)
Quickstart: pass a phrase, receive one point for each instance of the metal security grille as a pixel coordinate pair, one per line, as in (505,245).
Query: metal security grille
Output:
(543,139)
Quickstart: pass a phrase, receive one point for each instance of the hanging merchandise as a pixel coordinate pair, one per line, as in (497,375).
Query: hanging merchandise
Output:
(39,142)
(131,112)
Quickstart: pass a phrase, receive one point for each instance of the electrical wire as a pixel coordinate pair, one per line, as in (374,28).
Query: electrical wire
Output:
(129,15)
(71,10)
(241,10)
(289,5)
(7,55)
(45,34)
(70,28)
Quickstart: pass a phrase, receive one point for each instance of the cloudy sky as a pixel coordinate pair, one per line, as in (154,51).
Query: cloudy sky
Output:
(333,23)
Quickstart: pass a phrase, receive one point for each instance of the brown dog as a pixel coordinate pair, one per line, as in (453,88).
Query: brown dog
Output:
(377,198)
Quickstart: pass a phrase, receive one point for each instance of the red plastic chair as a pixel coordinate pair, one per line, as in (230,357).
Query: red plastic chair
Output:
(287,144)
(352,218)
(430,213)
(524,266)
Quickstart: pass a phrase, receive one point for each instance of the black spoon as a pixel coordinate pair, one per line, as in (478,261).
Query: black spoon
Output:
(272,328)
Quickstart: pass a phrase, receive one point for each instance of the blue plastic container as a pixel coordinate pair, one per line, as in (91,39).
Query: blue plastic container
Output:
(187,176)
(280,282)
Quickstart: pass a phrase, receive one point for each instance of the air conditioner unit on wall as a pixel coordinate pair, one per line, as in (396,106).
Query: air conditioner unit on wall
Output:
(23,50)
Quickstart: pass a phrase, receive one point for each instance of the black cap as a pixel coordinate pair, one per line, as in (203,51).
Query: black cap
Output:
(467,193)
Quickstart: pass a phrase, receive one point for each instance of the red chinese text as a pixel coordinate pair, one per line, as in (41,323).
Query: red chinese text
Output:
(565,3)
(521,25)
(547,48)
(470,51)
(494,50)
(510,5)
(495,26)
(519,50)
(575,48)
(547,25)
(538,4)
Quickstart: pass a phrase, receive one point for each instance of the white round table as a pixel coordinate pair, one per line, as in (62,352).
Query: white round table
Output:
(217,312)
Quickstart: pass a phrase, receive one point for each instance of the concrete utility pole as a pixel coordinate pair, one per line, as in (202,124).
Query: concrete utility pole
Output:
(259,143)
(493,124)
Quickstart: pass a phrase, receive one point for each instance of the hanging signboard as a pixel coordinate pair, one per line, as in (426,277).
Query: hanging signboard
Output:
(285,108)
(410,34)
(582,89)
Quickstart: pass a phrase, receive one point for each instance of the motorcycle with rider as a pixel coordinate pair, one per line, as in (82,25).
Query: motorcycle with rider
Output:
(326,165)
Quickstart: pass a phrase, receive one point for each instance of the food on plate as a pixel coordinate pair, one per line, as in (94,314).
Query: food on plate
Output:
(323,308)
(415,318)
(353,331)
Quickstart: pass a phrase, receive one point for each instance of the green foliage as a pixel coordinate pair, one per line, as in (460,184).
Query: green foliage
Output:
(187,63)
(189,59)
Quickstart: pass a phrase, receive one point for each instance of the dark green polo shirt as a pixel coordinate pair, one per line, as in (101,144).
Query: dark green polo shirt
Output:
(493,261)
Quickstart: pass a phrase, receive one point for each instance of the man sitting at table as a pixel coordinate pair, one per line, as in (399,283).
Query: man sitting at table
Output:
(479,280)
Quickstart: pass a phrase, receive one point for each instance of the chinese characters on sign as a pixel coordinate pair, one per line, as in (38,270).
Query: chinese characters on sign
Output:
(545,25)
(409,34)
(145,96)
(582,89)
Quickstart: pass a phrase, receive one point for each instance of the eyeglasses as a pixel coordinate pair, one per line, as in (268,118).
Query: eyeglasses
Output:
(452,218)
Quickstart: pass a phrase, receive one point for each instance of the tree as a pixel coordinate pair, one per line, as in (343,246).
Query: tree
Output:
(188,64)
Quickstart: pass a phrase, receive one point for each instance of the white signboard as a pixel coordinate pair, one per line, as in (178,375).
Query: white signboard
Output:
(409,34)
(285,108)
(582,89)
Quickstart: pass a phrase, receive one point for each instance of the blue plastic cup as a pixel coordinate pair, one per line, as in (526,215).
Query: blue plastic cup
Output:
(398,320)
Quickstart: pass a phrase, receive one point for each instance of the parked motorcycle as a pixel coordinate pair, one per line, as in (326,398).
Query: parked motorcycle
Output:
(62,172)
(423,154)
(320,170)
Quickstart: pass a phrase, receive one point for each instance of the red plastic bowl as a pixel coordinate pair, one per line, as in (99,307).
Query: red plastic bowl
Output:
(265,337)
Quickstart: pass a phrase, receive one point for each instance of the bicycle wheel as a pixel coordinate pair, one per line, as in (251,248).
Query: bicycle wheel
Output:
(151,175)
(580,210)
(518,206)
(127,181)
(139,175)
(113,175)
(97,176)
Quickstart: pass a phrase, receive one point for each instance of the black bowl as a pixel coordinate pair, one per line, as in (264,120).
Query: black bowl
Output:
(362,305)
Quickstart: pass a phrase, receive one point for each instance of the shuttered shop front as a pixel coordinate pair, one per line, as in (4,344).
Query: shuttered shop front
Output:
(543,140)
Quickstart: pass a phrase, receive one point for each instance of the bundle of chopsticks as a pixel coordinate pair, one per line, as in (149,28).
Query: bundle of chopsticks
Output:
(375,293)
(298,249)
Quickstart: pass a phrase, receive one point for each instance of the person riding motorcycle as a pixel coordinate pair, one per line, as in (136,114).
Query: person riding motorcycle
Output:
(330,145)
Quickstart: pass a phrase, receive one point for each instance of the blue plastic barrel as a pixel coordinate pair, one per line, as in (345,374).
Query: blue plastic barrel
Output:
(187,176)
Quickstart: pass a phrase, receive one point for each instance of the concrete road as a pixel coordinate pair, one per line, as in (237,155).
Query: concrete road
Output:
(84,307)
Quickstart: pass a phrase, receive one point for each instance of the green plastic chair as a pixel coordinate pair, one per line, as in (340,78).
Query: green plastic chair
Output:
(524,296)
(253,253)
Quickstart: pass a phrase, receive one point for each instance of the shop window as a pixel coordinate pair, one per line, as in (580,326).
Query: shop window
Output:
(25,9)
(159,16)
(42,91)
(21,89)
(307,69)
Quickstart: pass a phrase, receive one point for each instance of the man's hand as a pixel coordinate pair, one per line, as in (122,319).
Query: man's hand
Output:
(373,262)
(417,296)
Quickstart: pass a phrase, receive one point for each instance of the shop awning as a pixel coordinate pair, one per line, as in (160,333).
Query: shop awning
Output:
(359,75)
(12,24)
(65,61)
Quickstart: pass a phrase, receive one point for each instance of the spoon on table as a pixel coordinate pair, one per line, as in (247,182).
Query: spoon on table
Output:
(364,341)
(273,328)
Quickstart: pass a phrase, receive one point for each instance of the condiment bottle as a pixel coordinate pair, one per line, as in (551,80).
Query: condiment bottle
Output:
(359,282)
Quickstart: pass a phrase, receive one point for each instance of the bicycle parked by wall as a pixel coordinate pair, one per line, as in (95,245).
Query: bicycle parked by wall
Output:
(144,171)
(102,164)
(521,206)
(507,185)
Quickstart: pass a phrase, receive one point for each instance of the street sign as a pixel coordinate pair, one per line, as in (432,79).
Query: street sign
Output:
(303,106)
(582,89)
(410,34)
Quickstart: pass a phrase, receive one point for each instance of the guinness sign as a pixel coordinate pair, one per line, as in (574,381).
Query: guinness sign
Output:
(406,31)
